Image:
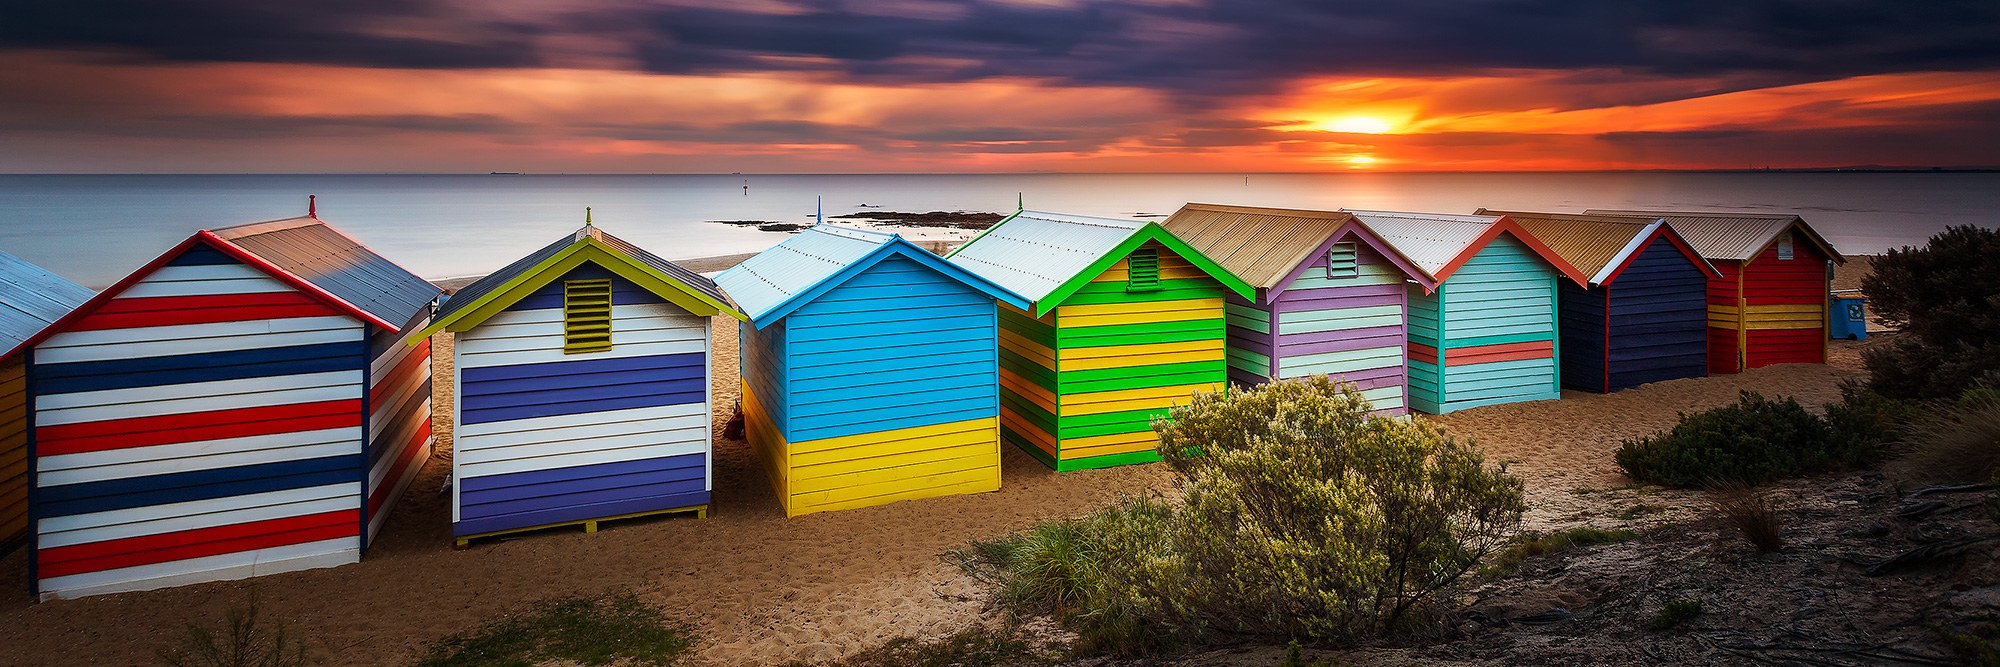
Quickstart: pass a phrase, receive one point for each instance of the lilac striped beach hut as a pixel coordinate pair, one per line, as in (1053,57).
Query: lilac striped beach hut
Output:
(1330,296)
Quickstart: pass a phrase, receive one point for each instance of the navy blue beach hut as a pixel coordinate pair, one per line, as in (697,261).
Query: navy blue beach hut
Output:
(583,388)
(1643,315)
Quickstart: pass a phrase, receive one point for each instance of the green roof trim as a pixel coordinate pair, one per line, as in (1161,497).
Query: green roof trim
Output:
(586,250)
(1152,231)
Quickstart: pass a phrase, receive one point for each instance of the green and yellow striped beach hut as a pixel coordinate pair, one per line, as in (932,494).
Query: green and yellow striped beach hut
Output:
(1127,321)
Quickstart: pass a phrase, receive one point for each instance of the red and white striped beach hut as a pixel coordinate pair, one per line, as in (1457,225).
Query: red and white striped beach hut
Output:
(246,404)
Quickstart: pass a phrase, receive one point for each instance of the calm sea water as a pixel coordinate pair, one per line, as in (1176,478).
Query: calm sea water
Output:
(95,229)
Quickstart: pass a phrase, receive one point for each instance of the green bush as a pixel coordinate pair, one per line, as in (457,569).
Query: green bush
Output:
(1299,516)
(1946,298)
(1674,613)
(1755,441)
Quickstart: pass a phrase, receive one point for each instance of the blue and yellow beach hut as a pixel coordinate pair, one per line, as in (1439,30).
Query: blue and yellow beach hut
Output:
(30,300)
(1487,334)
(1643,314)
(869,370)
(583,388)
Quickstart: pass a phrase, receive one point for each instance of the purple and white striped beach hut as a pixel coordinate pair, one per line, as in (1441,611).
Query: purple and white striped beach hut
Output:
(1330,296)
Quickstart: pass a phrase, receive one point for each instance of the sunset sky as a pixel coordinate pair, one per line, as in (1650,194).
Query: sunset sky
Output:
(994,85)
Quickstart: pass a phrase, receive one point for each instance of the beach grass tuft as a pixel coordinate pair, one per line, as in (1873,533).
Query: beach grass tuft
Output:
(1507,561)
(585,631)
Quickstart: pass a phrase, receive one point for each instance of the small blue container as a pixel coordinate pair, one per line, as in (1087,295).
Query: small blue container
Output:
(1850,316)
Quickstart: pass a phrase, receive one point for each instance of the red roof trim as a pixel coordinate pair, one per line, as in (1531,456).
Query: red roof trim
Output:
(210,239)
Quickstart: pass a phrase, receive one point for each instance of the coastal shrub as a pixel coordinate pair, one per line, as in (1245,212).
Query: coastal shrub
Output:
(244,641)
(1299,515)
(978,646)
(579,630)
(1303,516)
(1675,613)
(1945,297)
(1752,442)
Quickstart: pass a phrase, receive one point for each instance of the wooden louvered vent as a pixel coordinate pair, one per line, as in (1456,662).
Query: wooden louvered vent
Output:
(586,316)
(1144,270)
(1341,261)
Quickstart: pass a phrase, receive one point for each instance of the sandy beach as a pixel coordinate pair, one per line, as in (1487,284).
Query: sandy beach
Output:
(763,588)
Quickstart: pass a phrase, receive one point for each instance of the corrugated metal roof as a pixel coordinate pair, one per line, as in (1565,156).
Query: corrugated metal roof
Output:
(1430,240)
(479,288)
(1588,242)
(1034,252)
(1259,245)
(1726,235)
(327,259)
(31,299)
(767,281)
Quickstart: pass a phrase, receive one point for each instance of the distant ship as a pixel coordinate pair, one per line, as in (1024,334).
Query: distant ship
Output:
(503,173)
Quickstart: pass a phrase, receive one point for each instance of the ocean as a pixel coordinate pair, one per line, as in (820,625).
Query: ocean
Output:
(94,229)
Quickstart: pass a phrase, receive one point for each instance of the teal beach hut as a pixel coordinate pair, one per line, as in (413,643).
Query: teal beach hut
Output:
(1487,334)
(870,370)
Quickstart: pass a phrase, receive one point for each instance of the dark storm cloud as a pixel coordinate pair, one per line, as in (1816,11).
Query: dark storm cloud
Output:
(1214,47)
(369,33)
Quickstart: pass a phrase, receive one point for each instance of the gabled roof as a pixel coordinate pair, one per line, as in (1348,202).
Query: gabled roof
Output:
(492,294)
(1048,256)
(1600,245)
(1265,246)
(31,299)
(335,264)
(1730,235)
(776,282)
(1440,243)
(307,255)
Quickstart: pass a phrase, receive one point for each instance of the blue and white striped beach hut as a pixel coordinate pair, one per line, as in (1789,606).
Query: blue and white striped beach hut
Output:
(870,370)
(251,402)
(583,388)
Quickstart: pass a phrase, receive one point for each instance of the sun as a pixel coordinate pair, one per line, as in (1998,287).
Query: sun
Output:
(1361,159)
(1359,125)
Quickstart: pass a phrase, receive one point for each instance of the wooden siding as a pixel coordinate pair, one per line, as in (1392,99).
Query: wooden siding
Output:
(1494,326)
(202,425)
(546,438)
(1768,310)
(885,387)
(1082,384)
(1350,328)
(1648,325)
(399,416)
(13,452)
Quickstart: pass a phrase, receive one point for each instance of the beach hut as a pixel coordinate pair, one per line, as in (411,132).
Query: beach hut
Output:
(1126,321)
(1329,296)
(251,402)
(869,371)
(1643,316)
(583,388)
(30,300)
(1487,333)
(1769,305)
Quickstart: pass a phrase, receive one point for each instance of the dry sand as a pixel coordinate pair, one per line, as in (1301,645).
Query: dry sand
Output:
(765,589)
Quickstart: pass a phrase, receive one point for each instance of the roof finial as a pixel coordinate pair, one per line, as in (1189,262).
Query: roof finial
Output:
(1020,202)
(819,209)
(312,206)
(586,216)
